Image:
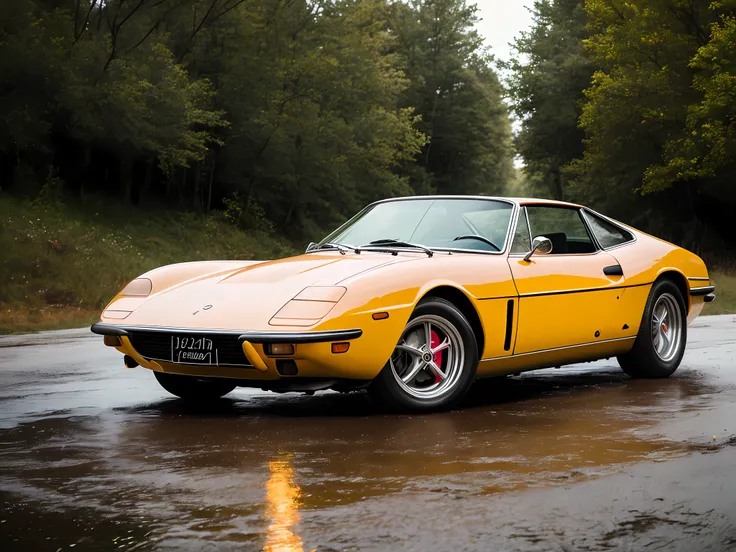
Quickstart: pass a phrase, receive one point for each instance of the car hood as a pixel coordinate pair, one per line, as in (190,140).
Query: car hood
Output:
(247,297)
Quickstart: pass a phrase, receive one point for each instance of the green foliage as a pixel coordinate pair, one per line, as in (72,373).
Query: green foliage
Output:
(707,145)
(79,256)
(458,96)
(307,109)
(639,97)
(650,85)
(725,282)
(548,75)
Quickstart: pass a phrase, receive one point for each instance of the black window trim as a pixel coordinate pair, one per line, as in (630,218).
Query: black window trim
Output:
(588,212)
(579,210)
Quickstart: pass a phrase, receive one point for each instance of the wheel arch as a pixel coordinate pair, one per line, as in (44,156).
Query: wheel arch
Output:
(460,300)
(679,279)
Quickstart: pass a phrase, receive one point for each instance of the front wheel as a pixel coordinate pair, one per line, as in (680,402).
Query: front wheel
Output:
(434,362)
(192,388)
(662,337)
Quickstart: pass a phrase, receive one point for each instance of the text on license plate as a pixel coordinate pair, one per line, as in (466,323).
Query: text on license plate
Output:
(193,350)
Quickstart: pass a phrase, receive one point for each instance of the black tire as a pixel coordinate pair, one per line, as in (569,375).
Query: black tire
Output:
(643,361)
(192,388)
(387,389)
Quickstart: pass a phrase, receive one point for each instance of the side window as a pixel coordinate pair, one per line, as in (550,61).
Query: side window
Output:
(522,242)
(607,234)
(563,226)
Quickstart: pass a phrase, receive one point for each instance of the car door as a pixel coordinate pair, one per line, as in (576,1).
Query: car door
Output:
(568,297)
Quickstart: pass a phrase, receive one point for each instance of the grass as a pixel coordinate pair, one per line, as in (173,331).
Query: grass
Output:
(725,302)
(60,264)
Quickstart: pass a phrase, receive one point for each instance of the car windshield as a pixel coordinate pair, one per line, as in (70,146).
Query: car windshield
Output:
(476,224)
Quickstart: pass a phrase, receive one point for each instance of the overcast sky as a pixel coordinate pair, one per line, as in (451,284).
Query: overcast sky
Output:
(502,22)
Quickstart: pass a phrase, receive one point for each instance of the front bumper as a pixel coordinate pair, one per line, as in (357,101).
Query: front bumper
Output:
(706,292)
(101,328)
(241,354)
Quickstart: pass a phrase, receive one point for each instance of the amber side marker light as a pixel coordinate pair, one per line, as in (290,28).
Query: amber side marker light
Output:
(113,341)
(380,315)
(338,348)
(280,349)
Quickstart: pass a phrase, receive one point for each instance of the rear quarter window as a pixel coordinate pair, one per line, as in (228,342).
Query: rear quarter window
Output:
(607,234)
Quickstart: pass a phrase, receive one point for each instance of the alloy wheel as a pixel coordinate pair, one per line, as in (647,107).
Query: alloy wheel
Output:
(428,361)
(666,327)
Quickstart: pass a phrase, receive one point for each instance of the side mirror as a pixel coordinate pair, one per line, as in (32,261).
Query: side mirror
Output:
(311,246)
(540,245)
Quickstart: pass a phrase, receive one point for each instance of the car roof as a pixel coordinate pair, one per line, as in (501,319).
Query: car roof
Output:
(517,200)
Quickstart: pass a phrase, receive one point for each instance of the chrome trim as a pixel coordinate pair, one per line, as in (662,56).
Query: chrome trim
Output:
(579,210)
(509,357)
(705,290)
(215,365)
(528,225)
(102,328)
(586,222)
(515,226)
(512,227)
(709,298)
(667,344)
(618,225)
(698,279)
(254,337)
(110,329)
(552,255)
(300,337)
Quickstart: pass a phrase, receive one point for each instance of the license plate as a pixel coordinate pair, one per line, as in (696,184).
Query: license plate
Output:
(192,350)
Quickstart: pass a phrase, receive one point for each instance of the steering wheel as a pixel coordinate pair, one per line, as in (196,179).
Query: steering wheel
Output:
(479,238)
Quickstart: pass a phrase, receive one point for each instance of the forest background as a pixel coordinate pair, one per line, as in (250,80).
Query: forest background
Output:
(135,133)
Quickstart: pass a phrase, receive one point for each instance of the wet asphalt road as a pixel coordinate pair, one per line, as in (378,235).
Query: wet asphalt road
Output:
(97,457)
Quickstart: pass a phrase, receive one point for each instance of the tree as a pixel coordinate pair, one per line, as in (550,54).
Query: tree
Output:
(706,148)
(458,95)
(311,89)
(639,98)
(548,74)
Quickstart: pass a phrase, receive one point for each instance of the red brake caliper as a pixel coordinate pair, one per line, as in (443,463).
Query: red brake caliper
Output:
(435,341)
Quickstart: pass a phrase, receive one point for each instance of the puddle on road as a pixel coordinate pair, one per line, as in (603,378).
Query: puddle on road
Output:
(246,471)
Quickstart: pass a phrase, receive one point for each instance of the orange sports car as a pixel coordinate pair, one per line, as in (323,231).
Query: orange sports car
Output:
(413,299)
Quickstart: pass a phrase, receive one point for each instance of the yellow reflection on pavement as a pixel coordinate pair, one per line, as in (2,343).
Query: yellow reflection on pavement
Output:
(282,508)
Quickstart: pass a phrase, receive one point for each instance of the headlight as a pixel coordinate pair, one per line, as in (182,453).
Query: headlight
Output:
(310,306)
(140,287)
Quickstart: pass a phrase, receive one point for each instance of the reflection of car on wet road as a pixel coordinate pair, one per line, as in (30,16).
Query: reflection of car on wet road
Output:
(414,298)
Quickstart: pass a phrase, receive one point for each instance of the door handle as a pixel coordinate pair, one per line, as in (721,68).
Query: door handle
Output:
(613,270)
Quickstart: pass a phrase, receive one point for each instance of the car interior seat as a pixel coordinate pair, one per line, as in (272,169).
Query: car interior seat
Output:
(559,242)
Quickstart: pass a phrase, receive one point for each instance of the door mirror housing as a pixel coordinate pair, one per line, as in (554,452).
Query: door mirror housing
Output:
(311,246)
(540,245)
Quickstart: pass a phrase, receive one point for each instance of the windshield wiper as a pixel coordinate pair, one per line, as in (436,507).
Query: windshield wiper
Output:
(341,247)
(398,243)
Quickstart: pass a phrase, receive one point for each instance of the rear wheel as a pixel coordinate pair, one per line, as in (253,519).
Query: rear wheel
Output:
(434,363)
(192,388)
(662,337)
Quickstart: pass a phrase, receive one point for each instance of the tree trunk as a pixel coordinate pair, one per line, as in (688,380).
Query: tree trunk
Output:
(209,190)
(86,170)
(250,190)
(183,186)
(197,188)
(146,187)
(557,189)
(126,177)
